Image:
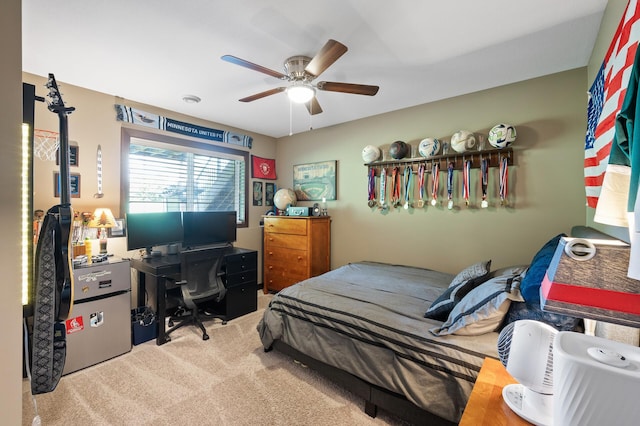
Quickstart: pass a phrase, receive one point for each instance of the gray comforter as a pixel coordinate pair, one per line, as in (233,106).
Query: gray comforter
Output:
(367,318)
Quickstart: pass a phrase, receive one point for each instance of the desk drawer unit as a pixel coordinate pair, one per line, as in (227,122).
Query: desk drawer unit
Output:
(295,248)
(241,281)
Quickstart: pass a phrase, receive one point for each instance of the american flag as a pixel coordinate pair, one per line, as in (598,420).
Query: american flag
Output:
(606,97)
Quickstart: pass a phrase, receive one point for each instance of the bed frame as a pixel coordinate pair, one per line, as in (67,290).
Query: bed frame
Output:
(374,396)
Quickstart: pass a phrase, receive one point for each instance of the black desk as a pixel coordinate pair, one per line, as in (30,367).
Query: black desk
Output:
(238,272)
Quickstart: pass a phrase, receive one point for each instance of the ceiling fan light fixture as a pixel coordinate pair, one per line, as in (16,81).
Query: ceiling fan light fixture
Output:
(300,93)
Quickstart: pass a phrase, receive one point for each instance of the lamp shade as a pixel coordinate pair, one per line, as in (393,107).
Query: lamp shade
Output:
(102,218)
(588,279)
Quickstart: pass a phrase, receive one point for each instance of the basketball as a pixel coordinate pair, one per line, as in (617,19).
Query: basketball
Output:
(398,150)
(429,147)
(502,135)
(370,153)
(463,140)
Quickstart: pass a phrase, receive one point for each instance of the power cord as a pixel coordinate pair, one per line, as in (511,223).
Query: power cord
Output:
(36,419)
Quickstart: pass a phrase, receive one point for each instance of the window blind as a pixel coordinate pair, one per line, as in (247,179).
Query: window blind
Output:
(178,178)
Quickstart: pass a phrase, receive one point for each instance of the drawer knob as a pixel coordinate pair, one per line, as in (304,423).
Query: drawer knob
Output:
(270,267)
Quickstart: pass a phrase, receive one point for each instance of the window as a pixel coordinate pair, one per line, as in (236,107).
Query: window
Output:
(162,173)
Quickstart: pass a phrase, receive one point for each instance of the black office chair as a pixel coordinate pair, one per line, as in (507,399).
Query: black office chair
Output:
(200,282)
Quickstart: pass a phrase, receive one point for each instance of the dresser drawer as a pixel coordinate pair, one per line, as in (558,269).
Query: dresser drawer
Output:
(242,278)
(285,226)
(298,242)
(286,256)
(279,279)
(241,262)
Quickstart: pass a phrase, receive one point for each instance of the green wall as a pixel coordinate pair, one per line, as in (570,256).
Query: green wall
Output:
(547,194)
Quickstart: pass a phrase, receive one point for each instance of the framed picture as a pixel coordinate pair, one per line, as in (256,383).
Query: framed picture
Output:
(269,191)
(119,230)
(315,181)
(74,180)
(73,155)
(257,193)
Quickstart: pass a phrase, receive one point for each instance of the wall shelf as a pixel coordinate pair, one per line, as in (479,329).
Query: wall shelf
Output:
(493,155)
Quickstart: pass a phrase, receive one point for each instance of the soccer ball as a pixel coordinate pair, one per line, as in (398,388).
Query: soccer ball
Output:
(370,153)
(502,135)
(398,150)
(429,147)
(463,140)
(284,198)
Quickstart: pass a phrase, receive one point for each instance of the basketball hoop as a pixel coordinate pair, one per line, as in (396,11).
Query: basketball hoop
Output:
(45,144)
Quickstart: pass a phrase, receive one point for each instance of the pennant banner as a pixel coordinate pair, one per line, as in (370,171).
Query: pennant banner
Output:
(263,168)
(135,116)
(605,100)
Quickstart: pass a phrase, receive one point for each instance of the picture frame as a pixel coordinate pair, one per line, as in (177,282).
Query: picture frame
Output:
(74,181)
(257,193)
(119,230)
(269,192)
(315,181)
(74,152)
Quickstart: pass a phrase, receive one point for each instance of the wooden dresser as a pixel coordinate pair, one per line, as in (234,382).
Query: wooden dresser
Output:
(295,248)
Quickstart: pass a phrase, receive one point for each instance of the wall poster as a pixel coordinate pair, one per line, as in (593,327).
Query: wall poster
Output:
(315,181)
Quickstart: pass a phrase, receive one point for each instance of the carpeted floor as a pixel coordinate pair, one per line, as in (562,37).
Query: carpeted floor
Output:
(227,380)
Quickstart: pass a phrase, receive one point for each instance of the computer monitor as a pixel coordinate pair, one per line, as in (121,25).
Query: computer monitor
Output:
(209,228)
(148,230)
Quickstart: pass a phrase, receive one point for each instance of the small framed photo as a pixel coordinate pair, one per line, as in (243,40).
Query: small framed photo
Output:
(73,155)
(74,180)
(269,191)
(257,193)
(119,230)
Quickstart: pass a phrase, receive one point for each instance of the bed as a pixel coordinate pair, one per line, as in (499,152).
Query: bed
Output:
(408,340)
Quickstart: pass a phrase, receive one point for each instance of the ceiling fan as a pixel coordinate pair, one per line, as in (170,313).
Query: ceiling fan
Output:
(301,71)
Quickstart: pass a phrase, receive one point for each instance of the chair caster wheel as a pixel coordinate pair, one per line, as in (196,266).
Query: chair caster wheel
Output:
(224,323)
(170,323)
(205,337)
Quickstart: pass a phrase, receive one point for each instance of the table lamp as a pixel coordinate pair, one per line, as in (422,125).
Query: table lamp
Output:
(588,279)
(102,219)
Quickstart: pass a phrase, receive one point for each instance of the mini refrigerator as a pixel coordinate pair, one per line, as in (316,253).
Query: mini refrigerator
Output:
(99,327)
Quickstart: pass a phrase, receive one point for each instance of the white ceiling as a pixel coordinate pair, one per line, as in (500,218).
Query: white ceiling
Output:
(417,51)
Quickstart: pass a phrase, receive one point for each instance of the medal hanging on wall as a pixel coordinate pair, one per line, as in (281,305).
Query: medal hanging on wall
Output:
(484,178)
(435,183)
(406,177)
(504,177)
(395,187)
(466,184)
(372,187)
(383,189)
(450,186)
(421,168)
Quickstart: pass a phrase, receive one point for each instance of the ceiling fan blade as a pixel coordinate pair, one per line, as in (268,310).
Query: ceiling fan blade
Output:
(330,52)
(263,94)
(356,89)
(255,67)
(313,106)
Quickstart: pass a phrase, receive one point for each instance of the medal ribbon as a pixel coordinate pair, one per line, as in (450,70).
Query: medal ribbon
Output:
(421,181)
(466,184)
(484,173)
(406,177)
(372,184)
(504,177)
(383,185)
(435,180)
(450,181)
(395,177)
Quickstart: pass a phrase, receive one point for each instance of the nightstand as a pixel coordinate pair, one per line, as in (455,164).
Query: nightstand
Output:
(485,405)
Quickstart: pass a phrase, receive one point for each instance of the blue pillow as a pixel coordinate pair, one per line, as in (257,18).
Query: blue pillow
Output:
(530,286)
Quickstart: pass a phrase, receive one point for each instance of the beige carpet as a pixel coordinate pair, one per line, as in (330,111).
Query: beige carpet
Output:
(227,380)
